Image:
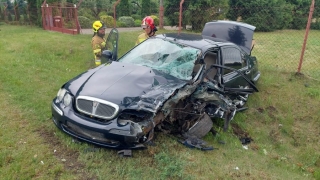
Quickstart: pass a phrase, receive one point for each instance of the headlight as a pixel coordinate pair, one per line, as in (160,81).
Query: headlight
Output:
(123,122)
(64,97)
(61,93)
(67,99)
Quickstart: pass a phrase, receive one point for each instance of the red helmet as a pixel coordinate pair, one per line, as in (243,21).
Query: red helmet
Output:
(148,21)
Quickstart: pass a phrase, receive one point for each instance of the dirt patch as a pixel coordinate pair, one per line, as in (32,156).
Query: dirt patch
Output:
(64,154)
(241,134)
(275,135)
(270,110)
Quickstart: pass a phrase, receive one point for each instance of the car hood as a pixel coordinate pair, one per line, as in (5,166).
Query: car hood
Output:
(128,85)
(237,32)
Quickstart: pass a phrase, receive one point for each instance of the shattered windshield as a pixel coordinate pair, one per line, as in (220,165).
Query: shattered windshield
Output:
(168,57)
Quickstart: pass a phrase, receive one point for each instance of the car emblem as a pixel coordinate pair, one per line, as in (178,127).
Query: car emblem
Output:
(95,104)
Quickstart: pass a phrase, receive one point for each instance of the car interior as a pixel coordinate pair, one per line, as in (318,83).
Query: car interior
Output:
(210,59)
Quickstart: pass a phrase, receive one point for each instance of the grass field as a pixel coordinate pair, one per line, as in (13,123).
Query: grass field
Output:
(282,119)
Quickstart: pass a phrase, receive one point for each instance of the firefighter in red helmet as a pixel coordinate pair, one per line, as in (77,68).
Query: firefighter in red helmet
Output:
(98,41)
(149,29)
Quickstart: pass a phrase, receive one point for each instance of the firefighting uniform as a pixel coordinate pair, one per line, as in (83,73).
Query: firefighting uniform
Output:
(98,45)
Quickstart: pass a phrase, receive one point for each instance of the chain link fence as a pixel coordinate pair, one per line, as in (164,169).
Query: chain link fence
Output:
(279,39)
(277,47)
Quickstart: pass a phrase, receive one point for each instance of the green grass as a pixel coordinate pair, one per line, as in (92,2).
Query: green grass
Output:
(282,119)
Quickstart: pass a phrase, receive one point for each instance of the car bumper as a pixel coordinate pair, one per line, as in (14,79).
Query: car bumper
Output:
(109,134)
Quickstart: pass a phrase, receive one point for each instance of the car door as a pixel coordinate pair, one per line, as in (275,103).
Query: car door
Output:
(112,43)
(233,57)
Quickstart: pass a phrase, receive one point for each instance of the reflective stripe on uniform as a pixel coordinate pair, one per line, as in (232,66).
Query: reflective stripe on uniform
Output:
(97,62)
(141,39)
(97,51)
(103,44)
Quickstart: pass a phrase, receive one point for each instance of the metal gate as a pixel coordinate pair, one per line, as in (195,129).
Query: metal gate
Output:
(60,17)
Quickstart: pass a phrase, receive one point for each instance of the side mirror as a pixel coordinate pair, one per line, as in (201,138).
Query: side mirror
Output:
(106,56)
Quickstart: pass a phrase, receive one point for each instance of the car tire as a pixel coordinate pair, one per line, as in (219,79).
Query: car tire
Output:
(201,127)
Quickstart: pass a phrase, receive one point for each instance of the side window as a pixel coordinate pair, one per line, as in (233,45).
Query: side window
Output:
(233,58)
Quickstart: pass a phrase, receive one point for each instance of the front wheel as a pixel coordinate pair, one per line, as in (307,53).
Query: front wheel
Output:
(202,126)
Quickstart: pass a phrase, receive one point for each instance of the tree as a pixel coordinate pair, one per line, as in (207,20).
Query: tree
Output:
(123,8)
(266,15)
(136,7)
(35,12)
(145,8)
(300,13)
(10,10)
(96,7)
(23,8)
(195,13)
(154,7)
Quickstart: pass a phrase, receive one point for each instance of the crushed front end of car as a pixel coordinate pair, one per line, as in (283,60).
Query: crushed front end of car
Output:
(118,105)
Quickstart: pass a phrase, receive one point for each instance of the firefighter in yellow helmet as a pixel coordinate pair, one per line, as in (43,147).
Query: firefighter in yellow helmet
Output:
(98,41)
(149,29)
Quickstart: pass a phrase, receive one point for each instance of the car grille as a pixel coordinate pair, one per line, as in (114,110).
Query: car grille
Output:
(96,107)
(88,134)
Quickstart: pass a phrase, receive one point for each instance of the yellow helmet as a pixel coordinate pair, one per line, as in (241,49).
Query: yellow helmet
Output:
(97,25)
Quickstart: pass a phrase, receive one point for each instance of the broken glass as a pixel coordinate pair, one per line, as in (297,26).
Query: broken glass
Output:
(164,56)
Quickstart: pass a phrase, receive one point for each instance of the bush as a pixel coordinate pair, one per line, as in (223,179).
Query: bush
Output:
(136,17)
(84,22)
(315,25)
(69,25)
(127,21)
(120,24)
(299,23)
(102,13)
(137,23)
(166,21)
(83,12)
(108,20)
(155,20)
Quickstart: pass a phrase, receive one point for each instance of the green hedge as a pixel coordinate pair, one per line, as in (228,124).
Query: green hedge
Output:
(155,20)
(127,21)
(84,22)
(108,20)
(137,23)
(120,24)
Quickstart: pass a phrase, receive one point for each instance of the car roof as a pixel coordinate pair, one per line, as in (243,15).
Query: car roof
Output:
(194,40)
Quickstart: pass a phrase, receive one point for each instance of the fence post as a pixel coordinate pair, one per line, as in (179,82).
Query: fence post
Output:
(5,13)
(114,13)
(75,9)
(180,17)
(43,9)
(306,35)
(15,12)
(161,15)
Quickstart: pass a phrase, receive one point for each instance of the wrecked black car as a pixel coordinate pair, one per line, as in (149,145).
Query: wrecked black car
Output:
(178,83)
